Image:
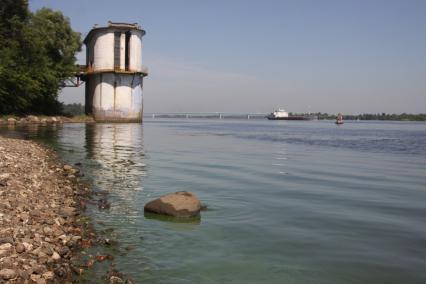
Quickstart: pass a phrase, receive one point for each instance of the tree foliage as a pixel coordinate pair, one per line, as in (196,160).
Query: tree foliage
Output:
(73,109)
(37,52)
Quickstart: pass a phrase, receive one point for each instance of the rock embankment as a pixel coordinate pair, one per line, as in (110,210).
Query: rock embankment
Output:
(44,120)
(39,232)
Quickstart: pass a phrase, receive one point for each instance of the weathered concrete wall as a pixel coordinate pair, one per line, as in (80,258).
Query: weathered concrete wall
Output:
(114,84)
(103,51)
(116,97)
(136,51)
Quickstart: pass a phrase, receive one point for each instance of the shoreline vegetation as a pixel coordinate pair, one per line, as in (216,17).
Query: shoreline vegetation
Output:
(378,116)
(37,55)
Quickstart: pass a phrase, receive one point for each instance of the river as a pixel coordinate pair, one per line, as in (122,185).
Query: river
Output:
(287,202)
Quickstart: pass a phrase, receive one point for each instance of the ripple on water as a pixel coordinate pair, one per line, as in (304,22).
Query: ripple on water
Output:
(287,202)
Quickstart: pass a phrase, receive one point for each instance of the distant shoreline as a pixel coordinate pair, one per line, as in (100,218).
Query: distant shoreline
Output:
(42,119)
(320,116)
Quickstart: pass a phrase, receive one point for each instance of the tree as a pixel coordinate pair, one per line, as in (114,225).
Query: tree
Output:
(37,52)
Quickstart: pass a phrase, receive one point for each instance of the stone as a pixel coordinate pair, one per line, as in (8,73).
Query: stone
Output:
(67,211)
(4,177)
(6,246)
(7,274)
(33,119)
(19,248)
(35,277)
(115,280)
(35,213)
(39,269)
(24,275)
(6,240)
(67,167)
(27,246)
(11,120)
(48,275)
(3,252)
(63,250)
(178,204)
(56,256)
(47,230)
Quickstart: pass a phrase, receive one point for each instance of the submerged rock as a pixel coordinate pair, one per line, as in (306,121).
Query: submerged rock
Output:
(115,280)
(178,204)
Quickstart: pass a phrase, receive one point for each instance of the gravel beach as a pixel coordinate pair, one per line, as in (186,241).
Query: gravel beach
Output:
(41,231)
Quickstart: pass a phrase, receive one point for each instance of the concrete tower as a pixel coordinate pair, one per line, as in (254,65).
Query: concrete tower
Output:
(114,73)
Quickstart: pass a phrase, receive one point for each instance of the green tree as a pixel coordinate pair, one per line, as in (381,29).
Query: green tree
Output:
(37,52)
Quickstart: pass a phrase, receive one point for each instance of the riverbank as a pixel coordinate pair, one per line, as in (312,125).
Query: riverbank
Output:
(41,231)
(32,119)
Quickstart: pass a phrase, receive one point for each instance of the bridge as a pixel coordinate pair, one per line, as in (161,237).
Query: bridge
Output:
(206,115)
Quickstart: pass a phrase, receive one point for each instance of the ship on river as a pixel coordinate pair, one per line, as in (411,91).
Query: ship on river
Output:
(281,114)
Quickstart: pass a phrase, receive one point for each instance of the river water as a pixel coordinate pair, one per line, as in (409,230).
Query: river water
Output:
(288,202)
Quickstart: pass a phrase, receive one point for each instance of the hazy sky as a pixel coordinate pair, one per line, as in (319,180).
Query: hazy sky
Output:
(252,56)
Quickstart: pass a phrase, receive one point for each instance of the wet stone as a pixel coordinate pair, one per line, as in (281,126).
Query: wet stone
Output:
(115,280)
(67,167)
(180,204)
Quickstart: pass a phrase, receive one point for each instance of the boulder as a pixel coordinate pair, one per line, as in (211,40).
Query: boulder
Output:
(11,120)
(33,119)
(178,204)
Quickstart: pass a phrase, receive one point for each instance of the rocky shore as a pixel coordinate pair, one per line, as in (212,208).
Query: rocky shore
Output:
(41,231)
(32,119)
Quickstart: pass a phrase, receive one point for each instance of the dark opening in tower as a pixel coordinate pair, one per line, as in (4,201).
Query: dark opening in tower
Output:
(117,36)
(127,51)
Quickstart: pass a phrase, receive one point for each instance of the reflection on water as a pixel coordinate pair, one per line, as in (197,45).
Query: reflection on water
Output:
(117,150)
(112,158)
(171,219)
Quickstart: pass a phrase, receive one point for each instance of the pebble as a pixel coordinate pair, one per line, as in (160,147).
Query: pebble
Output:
(7,274)
(67,167)
(56,256)
(19,248)
(38,214)
(6,246)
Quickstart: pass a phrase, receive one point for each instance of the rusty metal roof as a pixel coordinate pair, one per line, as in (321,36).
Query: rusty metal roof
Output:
(114,26)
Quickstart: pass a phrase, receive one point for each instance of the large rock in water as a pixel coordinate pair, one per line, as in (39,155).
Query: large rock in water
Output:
(178,204)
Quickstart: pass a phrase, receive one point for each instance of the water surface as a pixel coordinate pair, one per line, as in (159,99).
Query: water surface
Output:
(288,202)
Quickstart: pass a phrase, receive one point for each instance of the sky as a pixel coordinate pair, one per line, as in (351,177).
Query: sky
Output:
(361,56)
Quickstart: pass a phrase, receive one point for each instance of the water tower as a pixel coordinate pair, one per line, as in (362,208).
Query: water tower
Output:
(114,73)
